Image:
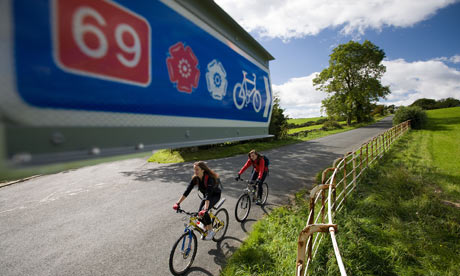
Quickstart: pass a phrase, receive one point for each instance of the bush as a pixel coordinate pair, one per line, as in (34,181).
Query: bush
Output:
(331,124)
(279,122)
(414,113)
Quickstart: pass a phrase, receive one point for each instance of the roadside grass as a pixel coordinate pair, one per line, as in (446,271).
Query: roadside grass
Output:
(217,151)
(232,149)
(271,248)
(401,219)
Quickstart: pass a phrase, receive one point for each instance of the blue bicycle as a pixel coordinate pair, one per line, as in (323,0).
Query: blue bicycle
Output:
(184,249)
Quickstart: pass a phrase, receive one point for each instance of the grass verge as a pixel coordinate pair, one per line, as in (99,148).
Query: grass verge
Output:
(401,220)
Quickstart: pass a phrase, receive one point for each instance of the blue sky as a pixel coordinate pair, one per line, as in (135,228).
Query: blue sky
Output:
(421,40)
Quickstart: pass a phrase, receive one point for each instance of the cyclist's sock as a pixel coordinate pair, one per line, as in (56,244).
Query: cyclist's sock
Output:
(210,235)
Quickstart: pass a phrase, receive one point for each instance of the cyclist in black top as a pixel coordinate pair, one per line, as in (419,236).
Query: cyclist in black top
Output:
(206,180)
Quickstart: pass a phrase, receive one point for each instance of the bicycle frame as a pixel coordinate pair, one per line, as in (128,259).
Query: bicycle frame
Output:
(192,225)
(245,85)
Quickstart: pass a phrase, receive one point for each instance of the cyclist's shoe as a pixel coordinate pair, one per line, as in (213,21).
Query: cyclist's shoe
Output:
(258,201)
(210,235)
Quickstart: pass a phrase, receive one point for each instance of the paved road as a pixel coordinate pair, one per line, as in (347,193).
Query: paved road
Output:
(116,218)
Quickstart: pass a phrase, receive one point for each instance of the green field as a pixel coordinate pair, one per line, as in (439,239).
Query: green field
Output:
(300,121)
(295,130)
(403,219)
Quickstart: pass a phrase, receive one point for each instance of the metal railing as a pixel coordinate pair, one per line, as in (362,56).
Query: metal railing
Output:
(344,175)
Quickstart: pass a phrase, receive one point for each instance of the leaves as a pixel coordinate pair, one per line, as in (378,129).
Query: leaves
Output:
(353,79)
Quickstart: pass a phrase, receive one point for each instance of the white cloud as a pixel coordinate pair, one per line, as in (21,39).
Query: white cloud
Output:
(455,59)
(299,18)
(408,82)
(299,98)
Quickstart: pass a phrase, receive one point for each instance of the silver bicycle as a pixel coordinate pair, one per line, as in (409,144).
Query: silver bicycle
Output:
(249,195)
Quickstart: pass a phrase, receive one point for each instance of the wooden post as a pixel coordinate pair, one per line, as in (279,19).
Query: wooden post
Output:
(354,170)
(323,209)
(372,149)
(367,155)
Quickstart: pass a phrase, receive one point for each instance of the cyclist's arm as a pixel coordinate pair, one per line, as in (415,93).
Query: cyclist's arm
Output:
(248,163)
(189,188)
(261,168)
(182,198)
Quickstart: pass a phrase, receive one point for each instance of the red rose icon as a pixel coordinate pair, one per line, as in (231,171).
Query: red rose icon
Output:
(182,67)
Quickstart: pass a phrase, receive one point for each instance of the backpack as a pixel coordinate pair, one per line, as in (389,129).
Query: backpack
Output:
(267,162)
(218,182)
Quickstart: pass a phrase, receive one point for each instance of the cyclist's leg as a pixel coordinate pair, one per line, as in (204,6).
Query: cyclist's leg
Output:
(260,188)
(254,176)
(212,201)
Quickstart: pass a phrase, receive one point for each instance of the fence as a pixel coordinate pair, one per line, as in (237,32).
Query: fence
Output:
(344,175)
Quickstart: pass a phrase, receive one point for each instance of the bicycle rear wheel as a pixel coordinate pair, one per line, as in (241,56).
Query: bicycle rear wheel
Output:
(263,200)
(183,253)
(222,215)
(243,205)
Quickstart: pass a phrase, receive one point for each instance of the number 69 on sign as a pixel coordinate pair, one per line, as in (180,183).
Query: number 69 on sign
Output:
(101,39)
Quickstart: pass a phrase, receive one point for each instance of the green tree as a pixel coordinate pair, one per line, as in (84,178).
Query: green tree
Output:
(352,80)
(279,122)
(425,103)
(449,102)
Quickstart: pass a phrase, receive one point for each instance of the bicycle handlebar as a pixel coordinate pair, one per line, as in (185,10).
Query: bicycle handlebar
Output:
(247,181)
(179,210)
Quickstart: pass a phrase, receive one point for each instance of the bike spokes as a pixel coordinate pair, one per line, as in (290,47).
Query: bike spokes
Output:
(220,224)
(243,205)
(183,253)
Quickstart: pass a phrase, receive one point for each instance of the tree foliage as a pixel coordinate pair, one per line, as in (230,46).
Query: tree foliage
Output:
(428,104)
(352,80)
(425,103)
(279,122)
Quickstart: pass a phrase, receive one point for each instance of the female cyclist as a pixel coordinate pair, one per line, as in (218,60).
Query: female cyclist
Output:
(260,171)
(206,180)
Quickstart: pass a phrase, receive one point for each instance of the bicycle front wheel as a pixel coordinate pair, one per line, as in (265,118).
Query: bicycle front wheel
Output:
(183,253)
(239,96)
(220,224)
(263,200)
(243,205)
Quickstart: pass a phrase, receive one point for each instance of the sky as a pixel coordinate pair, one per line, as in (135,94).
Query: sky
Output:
(421,41)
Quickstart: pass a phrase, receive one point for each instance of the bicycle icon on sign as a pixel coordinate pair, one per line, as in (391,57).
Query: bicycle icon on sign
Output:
(242,96)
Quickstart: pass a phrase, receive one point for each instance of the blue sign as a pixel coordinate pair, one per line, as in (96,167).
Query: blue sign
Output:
(136,57)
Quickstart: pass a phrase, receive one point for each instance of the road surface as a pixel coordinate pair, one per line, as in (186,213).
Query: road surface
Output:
(117,219)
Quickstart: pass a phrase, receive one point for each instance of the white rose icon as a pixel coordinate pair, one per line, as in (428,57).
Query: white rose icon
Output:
(216,79)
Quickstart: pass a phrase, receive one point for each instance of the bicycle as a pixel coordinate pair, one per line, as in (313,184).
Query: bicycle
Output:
(241,93)
(186,246)
(243,204)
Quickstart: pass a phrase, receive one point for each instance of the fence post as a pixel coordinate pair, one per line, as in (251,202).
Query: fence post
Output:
(372,150)
(345,177)
(354,170)
(323,207)
(367,155)
(384,141)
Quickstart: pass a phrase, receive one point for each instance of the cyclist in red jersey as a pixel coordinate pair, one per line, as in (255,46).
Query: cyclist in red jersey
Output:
(259,173)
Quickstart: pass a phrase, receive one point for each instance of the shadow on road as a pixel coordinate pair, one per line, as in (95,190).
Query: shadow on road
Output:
(198,271)
(291,168)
